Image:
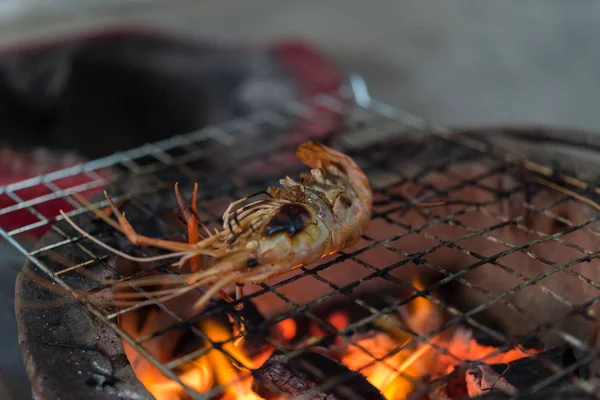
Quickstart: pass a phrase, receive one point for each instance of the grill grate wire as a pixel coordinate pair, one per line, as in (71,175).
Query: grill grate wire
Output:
(363,112)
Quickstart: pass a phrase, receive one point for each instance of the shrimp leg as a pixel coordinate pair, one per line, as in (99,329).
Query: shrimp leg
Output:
(194,235)
(239,291)
(140,240)
(192,223)
(219,285)
(239,294)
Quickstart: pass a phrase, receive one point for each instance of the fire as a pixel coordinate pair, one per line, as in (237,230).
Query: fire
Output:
(237,384)
(395,376)
(390,357)
(198,377)
(213,368)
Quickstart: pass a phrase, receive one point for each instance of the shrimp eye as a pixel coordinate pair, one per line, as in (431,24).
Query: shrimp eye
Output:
(252,263)
(291,218)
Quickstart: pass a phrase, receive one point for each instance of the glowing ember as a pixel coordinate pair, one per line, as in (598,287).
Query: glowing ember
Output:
(287,328)
(389,357)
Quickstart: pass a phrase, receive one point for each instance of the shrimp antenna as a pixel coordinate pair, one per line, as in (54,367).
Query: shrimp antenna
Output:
(117,252)
(255,194)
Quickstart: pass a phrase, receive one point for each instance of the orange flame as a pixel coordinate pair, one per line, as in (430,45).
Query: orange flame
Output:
(215,367)
(199,377)
(400,360)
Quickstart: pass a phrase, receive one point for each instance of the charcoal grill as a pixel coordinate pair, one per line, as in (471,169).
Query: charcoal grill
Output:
(495,183)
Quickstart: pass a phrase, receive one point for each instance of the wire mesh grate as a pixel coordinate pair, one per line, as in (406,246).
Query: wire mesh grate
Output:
(479,225)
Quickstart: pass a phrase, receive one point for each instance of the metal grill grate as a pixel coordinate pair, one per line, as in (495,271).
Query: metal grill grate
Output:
(502,193)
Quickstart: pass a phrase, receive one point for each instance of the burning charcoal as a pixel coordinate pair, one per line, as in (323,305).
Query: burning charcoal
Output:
(483,378)
(480,380)
(528,371)
(437,394)
(309,370)
(454,388)
(451,386)
(551,394)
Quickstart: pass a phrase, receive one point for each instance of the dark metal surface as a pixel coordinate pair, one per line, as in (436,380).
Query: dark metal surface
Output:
(132,89)
(130,86)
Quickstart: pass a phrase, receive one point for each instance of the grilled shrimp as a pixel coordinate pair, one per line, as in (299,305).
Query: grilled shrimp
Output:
(299,223)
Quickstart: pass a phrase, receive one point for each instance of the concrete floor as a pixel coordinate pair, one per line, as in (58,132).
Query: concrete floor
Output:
(452,61)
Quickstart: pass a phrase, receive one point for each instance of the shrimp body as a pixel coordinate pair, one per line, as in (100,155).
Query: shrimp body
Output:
(299,223)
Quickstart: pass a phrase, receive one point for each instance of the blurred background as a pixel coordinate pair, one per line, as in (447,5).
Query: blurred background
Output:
(454,62)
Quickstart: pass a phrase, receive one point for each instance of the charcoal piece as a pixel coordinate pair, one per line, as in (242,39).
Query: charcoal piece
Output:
(292,377)
(482,380)
(528,371)
(568,393)
(454,388)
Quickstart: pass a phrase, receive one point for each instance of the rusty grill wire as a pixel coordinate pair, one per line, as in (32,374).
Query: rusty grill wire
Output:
(363,117)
